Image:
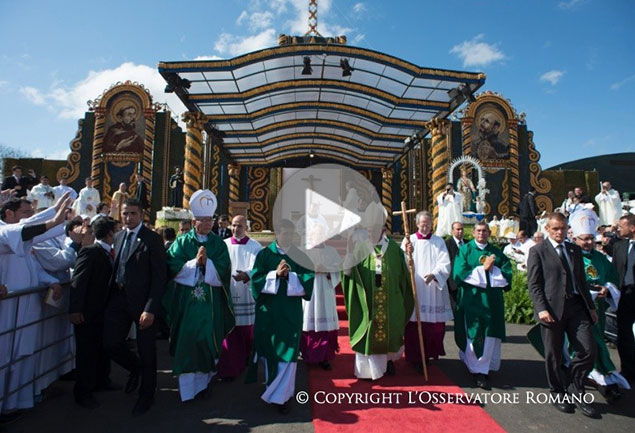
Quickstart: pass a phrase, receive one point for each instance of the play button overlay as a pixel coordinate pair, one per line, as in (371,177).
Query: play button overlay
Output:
(328,217)
(329,207)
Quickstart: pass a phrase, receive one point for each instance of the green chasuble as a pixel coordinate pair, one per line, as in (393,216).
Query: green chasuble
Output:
(599,271)
(278,324)
(200,317)
(377,316)
(480,311)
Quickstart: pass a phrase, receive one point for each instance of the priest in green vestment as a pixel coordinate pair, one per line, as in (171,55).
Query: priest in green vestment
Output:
(482,272)
(379,302)
(198,302)
(278,285)
(603,281)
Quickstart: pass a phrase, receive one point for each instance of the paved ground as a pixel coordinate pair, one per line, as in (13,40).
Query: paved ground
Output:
(237,407)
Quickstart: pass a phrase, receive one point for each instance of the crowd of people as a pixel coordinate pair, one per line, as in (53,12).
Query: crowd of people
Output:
(227,304)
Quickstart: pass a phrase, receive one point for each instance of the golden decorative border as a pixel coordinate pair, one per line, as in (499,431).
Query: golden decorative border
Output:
(310,146)
(440,154)
(215,172)
(193,167)
(314,123)
(540,184)
(71,170)
(403,179)
(321,49)
(511,194)
(300,135)
(296,84)
(303,153)
(292,106)
(99,106)
(503,206)
(234,182)
(258,197)
(386,194)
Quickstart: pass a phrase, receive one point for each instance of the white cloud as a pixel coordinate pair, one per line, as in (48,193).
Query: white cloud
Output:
(208,58)
(279,6)
(70,101)
(358,38)
(242,17)
(33,95)
(570,4)
(477,53)
(236,45)
(619,84)
(552,76)
(260,20)
(3,83)
(358,8)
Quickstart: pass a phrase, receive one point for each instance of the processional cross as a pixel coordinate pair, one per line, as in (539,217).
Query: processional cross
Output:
(411,267)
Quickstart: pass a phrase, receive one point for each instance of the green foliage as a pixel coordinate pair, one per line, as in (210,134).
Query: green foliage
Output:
(518,305)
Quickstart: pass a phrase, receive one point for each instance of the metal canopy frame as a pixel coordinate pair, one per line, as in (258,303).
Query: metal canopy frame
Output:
(268,112)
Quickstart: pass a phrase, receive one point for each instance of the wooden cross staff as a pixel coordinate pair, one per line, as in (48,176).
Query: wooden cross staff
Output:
(411,267)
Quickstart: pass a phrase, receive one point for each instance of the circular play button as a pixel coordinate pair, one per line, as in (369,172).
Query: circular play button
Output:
(328,217)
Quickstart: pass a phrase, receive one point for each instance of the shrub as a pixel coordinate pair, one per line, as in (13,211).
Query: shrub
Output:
(518,305)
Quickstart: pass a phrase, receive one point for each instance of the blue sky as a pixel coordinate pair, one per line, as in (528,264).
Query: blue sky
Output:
(569,64)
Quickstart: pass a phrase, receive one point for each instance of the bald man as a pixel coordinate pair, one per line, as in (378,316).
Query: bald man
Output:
(237,345)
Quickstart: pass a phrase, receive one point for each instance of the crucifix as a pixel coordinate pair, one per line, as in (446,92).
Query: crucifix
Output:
(411,267)
(311,179)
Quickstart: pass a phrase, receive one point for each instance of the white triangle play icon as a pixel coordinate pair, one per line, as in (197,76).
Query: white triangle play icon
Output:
(314,238)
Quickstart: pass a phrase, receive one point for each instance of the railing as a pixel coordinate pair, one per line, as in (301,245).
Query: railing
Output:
(10,335)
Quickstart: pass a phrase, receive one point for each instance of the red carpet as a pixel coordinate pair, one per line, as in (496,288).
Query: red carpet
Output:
(414,411)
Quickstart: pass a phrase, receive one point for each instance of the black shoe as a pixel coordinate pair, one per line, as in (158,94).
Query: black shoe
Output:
(482,381)
(110,386)
(326,365)
(133,383)
(142,405)
(587,409)
(563,406)
(87,402)
(390,368)
(284,408)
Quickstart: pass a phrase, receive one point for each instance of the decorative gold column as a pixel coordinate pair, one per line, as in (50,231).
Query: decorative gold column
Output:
(193,167)
(386,194)
(98,139)
(440,151)
(514,200)
(234,182)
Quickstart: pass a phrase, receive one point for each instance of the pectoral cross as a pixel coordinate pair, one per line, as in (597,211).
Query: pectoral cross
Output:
(411,267)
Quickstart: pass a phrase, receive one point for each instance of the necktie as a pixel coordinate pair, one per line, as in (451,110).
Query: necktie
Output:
(565,263)
(112,255)
(629,277)
(123,257)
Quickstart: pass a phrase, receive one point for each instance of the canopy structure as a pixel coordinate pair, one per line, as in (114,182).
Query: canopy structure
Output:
(340,103)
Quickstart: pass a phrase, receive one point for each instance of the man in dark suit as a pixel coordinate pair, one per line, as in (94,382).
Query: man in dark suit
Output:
(141,195)
(563,305)
(527,211)
(138,282)
(624,261)
(453,244)
(582,197)
(223,230)
(88,298)
(17,182)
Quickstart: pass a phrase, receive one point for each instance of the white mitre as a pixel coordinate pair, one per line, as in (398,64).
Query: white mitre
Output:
(203,203)
(584,222)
